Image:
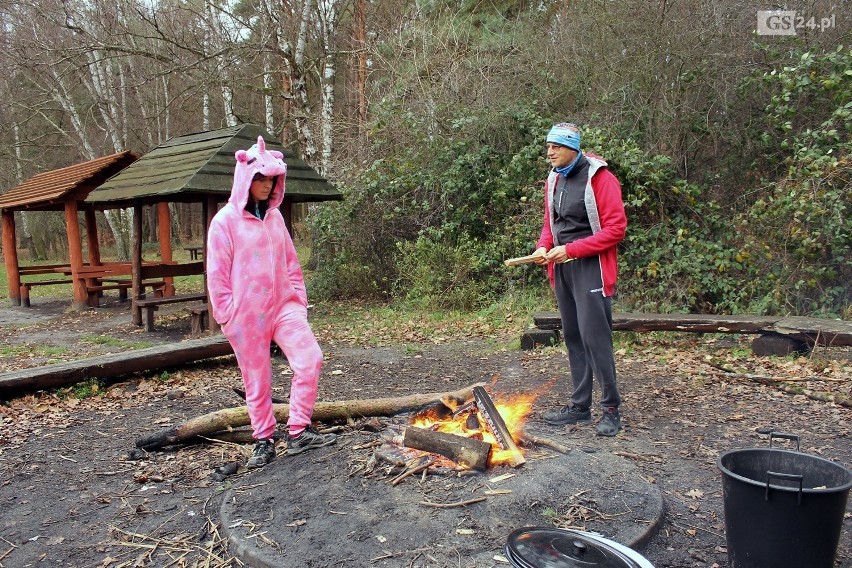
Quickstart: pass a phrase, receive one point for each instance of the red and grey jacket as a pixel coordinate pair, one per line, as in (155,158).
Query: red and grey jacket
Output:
(606,216)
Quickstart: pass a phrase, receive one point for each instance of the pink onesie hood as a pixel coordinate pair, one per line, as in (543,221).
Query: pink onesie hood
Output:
(253,273)
(258,160)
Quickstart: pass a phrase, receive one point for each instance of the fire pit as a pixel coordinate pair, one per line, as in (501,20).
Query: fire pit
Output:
(344,506)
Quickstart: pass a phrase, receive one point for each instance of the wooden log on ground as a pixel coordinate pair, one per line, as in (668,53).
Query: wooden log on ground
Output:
(468,452)
(152,358)
(818,331)
(229,418)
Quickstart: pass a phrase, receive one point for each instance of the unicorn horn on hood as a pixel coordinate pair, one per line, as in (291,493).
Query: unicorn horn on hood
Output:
(261,145)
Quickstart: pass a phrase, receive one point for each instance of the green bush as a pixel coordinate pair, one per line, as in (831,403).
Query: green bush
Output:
(797,231)
(455,193)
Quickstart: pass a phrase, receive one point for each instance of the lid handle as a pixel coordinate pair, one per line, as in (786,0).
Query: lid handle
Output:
(579,547)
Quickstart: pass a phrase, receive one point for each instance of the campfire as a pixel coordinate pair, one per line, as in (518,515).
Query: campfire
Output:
(481,433)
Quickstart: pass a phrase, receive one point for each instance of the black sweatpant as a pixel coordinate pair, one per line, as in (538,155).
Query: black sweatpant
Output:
(587,328)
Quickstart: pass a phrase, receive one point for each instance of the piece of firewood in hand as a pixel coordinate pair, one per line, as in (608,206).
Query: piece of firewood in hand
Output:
(518,261)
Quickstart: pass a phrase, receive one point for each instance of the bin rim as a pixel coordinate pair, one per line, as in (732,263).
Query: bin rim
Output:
(762,484)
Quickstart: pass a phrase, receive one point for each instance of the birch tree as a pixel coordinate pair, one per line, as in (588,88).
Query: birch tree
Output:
(328,18)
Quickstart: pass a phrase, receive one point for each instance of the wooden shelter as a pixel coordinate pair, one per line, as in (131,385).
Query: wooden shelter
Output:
(64,189)
(197,167)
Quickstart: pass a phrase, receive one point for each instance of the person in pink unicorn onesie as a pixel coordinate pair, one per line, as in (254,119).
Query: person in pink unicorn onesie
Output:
(258,295)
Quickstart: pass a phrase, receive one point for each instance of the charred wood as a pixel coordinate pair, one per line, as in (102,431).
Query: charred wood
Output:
(465,451)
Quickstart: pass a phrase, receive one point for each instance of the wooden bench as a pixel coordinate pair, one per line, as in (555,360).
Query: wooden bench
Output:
(122,285)
(195,253)
(25,288)
(777,335)
(149,305)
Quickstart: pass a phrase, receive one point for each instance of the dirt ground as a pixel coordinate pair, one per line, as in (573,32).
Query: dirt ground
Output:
(76,492)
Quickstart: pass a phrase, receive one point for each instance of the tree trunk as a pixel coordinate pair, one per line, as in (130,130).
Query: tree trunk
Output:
(229,418)
(361,45)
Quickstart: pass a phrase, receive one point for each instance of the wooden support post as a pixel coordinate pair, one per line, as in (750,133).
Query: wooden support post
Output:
(209,209)
(94,254)
(287,212)
(75,253)
(164,233)
(137,292)
(92,238)
(10,257)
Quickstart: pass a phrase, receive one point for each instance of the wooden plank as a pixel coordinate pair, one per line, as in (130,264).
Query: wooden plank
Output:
(496,425)
(811,330)
(199,296)
(46,282)
(163,270)
(837,333)
(43,268)
(114,365)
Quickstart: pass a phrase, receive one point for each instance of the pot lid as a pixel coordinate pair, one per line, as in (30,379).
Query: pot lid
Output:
(547,547)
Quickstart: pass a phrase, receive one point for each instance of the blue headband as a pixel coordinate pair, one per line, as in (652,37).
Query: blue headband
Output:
(565,134)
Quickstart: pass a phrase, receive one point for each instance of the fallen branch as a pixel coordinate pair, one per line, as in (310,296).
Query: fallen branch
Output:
(451,505)
(546,442)
(640,457)
(764,379)
(786,386)
(413,470)
(230,418)
(275,400)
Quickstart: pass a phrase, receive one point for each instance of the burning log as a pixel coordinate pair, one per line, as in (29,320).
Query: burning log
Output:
(497,426)
(468,452)
(230,418)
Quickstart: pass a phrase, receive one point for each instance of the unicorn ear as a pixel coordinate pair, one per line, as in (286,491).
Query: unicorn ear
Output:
(241,156)
(261,145)
(276,154)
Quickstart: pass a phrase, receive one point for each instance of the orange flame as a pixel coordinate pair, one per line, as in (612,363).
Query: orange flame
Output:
(514,409)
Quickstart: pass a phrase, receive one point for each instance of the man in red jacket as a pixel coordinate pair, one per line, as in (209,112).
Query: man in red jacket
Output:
(584,221)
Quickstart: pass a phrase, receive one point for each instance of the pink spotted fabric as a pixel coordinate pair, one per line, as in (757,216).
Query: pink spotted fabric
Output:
(257,292)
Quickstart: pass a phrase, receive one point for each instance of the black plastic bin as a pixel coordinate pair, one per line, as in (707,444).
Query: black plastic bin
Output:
(782,508)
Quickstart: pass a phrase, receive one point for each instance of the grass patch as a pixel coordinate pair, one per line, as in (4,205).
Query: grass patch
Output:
(116,342)
(33,350)
(88,389)
(384,324)
(412,349)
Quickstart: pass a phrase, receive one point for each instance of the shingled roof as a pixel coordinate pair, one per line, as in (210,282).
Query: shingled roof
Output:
(192,167)
(48,191)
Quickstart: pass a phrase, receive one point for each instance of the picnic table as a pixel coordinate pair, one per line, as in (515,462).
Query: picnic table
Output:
(195,253)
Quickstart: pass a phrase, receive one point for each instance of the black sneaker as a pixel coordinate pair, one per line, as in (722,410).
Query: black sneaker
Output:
(264,452)
(308,440)
(610,422)
(569,414)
